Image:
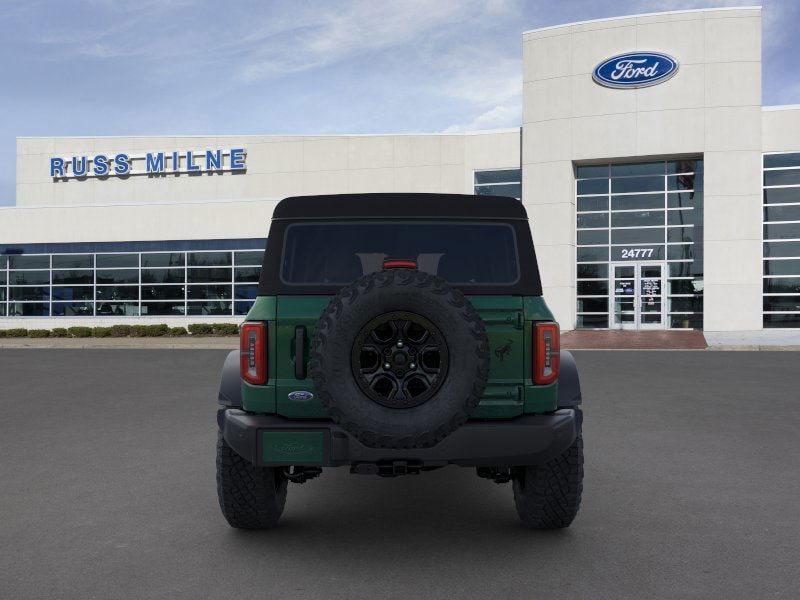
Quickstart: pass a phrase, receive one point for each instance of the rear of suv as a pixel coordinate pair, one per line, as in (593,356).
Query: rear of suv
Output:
(395,334)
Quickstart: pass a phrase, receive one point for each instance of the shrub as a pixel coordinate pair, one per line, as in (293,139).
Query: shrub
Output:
(59,332)
(101,332)
(38,333)
(120,330)
(177,331)
(201,329)
(16,332)
(80,332)
(157,330)
(224,328)
(138,331)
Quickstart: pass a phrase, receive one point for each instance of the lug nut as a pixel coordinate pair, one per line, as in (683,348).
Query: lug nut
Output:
(412,366)
(386,365)
(400,344)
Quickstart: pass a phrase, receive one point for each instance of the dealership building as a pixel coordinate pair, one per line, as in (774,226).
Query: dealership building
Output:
(661,193)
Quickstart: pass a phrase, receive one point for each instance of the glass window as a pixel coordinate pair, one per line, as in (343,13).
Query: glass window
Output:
(693,304)
(2,277)
(593,288)
(592,236)
(784,231)
(597,305)
(504,182)
(117,309)
(117,292)
(246,274)
(498,176)
(445,249)
(782,195)
(637,236)
(684,166)
(209,259)
(29,261)
(29,277)
(242,307)
(163,276)
(245,292)
(694,321)
(782,213)
(113,261)
(162,292)
(637,219)
(782,249)
(73,309)
(61,277)
(592,186)
(209,292)
(682,182)
(73,261)
(209,275)
(592,271)
(29,293)
(786,320)
(593,203)
(28,309)
(253,258)
(593,321)
(592,254)
(782,303)
(685,199)
(593,220)
(680,252)
(512,190)
(162,309)
(782,267)
(684,217)
(788,177)
(164,259)
(118,276)
(3,308)
(680,234)
(209,308)
(587,171)
(637,184)
(650,168)
(637,202)
(641,229)
(790,159)
(782,285)
(81,292)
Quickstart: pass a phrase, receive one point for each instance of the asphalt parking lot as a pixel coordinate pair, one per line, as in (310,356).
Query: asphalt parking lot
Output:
(107,491)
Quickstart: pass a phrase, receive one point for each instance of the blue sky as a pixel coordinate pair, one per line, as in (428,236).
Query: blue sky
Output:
(154,67)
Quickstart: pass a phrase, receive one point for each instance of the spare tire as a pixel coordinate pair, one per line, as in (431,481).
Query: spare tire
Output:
(400,359)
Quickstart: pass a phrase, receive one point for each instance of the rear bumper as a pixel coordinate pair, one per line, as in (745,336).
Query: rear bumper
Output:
(269,440)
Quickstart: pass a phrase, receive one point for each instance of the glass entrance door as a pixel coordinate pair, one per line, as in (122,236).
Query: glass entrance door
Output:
(637,295)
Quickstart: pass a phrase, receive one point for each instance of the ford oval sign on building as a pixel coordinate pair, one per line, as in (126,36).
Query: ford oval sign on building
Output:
(635,70)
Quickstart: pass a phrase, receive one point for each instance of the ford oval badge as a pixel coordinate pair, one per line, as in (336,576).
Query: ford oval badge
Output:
(635,70)
(300,396)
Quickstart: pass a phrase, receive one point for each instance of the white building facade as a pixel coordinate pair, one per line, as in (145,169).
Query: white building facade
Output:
(671,200)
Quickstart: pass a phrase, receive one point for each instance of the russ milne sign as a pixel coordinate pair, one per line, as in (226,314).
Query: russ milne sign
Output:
(152,163)
(635,70)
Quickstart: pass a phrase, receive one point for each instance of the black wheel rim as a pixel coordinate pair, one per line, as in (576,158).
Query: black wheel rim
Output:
(400,359)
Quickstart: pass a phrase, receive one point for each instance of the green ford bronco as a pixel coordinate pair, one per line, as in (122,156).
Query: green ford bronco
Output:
(394,334)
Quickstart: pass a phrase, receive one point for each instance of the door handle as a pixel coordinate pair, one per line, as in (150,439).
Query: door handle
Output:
(300,352)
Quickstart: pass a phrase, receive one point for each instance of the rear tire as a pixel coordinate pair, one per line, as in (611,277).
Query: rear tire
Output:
(250,497)
(548,496)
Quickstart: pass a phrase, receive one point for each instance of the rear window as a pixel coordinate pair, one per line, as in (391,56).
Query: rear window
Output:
(333,253)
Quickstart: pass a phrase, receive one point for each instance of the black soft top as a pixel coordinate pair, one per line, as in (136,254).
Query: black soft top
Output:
(406,206)
(363,207)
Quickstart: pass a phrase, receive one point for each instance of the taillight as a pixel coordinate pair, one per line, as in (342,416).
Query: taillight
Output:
(399,263)
(546,352)
(253,353)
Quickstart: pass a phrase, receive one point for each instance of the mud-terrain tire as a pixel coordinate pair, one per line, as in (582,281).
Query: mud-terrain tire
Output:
(250,497)
(548,496)
(451,319)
